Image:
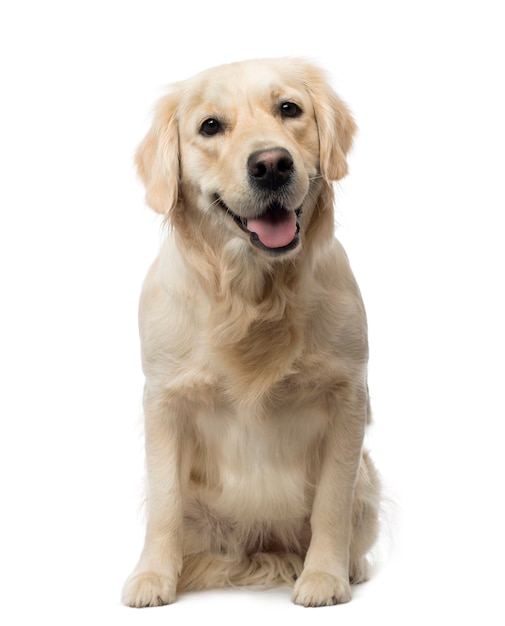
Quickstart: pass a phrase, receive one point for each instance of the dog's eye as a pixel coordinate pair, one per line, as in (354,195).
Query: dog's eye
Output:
(290,109)
(210,127)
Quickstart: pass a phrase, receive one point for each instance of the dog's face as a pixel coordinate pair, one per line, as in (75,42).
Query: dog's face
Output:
(247,145)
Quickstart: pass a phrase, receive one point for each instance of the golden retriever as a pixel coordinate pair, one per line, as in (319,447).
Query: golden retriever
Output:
(254,343)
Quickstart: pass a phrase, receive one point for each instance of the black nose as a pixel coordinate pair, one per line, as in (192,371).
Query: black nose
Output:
(270,169)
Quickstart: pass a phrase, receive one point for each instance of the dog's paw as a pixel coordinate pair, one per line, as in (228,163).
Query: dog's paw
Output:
(149,589)
(321,589)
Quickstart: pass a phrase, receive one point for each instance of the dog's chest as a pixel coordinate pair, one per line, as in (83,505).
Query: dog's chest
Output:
(260,468)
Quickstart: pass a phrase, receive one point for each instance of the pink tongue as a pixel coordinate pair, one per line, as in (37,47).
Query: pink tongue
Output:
(275,229)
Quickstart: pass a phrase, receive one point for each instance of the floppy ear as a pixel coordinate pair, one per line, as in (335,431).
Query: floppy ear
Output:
(335,125)
(157,157)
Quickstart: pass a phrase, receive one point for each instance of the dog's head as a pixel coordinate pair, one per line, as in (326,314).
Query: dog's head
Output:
(243,150)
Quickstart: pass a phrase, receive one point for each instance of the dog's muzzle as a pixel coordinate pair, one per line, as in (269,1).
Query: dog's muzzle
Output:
(277,228)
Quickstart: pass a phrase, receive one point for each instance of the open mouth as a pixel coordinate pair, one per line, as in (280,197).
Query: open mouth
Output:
(275,230)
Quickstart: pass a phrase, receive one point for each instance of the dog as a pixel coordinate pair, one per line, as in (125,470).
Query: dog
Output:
(254,343)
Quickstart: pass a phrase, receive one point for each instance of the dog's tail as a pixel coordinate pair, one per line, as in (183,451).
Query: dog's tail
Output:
(211,571)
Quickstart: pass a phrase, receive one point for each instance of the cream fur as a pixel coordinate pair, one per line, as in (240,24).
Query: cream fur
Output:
(256,400)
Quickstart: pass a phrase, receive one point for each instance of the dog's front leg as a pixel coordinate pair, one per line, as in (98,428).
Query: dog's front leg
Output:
(325,576)
(154,580)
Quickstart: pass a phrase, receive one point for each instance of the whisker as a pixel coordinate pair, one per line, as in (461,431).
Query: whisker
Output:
(216,201)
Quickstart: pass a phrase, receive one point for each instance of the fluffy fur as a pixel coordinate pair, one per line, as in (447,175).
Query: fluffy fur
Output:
(255,357)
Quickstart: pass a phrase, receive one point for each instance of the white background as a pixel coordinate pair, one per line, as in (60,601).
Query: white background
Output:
(420,216)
